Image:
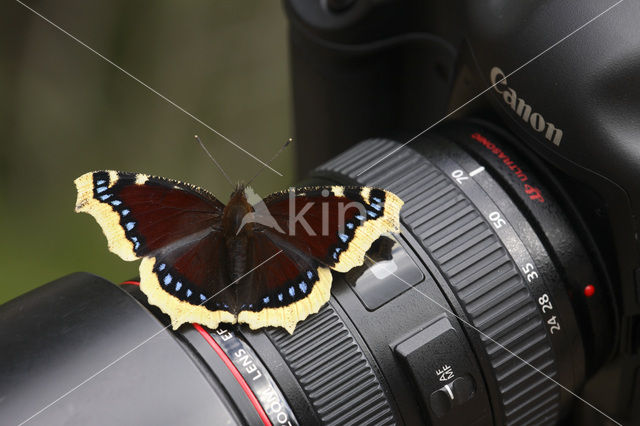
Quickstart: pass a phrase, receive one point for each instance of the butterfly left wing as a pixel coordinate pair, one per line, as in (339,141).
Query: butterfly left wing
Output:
(174,227)
(318,229)
(187,283)
(140,214)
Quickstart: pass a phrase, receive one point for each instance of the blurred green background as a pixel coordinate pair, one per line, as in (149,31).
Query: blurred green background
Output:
(65,111)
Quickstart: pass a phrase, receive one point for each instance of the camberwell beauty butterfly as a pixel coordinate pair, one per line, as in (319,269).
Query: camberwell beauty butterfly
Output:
(263,265)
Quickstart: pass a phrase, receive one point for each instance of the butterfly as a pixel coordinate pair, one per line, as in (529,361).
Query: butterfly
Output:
(262,264)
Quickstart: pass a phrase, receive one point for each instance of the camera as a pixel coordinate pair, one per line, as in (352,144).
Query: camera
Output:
(512,294)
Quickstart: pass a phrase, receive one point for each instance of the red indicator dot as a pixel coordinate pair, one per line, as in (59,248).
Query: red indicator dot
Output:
(589,290)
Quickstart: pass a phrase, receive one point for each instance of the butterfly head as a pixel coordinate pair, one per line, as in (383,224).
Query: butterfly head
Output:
(235,210)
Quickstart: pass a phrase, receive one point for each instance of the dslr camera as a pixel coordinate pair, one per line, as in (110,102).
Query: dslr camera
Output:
(512,294)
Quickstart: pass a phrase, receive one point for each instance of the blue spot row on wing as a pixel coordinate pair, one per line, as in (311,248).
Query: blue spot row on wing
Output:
(370,211)
(106,194)
(290,292)
(376,200)
(176,285)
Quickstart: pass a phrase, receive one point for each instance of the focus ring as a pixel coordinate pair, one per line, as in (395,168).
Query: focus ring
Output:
(333,372)
(478,268)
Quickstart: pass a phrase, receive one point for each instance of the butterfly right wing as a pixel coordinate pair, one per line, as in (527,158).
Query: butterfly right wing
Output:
(335,225)
(284,285)
(303,225)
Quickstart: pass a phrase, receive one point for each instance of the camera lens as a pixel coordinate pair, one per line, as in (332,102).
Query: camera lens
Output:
(487,309)
(517,269)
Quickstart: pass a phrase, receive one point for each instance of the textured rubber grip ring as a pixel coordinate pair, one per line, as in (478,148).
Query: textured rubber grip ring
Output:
(478,268)
(333,372)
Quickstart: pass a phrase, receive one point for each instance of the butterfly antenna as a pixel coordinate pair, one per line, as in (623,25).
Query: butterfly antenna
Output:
(214,161)
(286,144)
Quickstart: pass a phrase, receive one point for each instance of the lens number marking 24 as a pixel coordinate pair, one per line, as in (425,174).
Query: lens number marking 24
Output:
(546,306)
(544,301)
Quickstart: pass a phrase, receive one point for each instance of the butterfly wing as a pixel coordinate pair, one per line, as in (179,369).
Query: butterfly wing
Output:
(287,286)
(140,214)
(317,229)
(175,228)
(189,285)
(335,225)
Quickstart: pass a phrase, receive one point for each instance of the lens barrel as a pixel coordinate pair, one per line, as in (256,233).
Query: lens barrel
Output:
(509,262)
(476,313)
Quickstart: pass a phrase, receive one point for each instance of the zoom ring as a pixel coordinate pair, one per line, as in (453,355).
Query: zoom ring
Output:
(479,270)
(333,371)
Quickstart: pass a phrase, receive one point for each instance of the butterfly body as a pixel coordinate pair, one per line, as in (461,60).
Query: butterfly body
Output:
(263,264)
(236,209)
(237,237)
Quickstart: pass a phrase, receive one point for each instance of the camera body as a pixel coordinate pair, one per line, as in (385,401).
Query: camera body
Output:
(561,79)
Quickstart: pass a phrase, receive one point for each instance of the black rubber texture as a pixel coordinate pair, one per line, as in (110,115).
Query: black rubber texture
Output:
(478,268)
(333,371)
